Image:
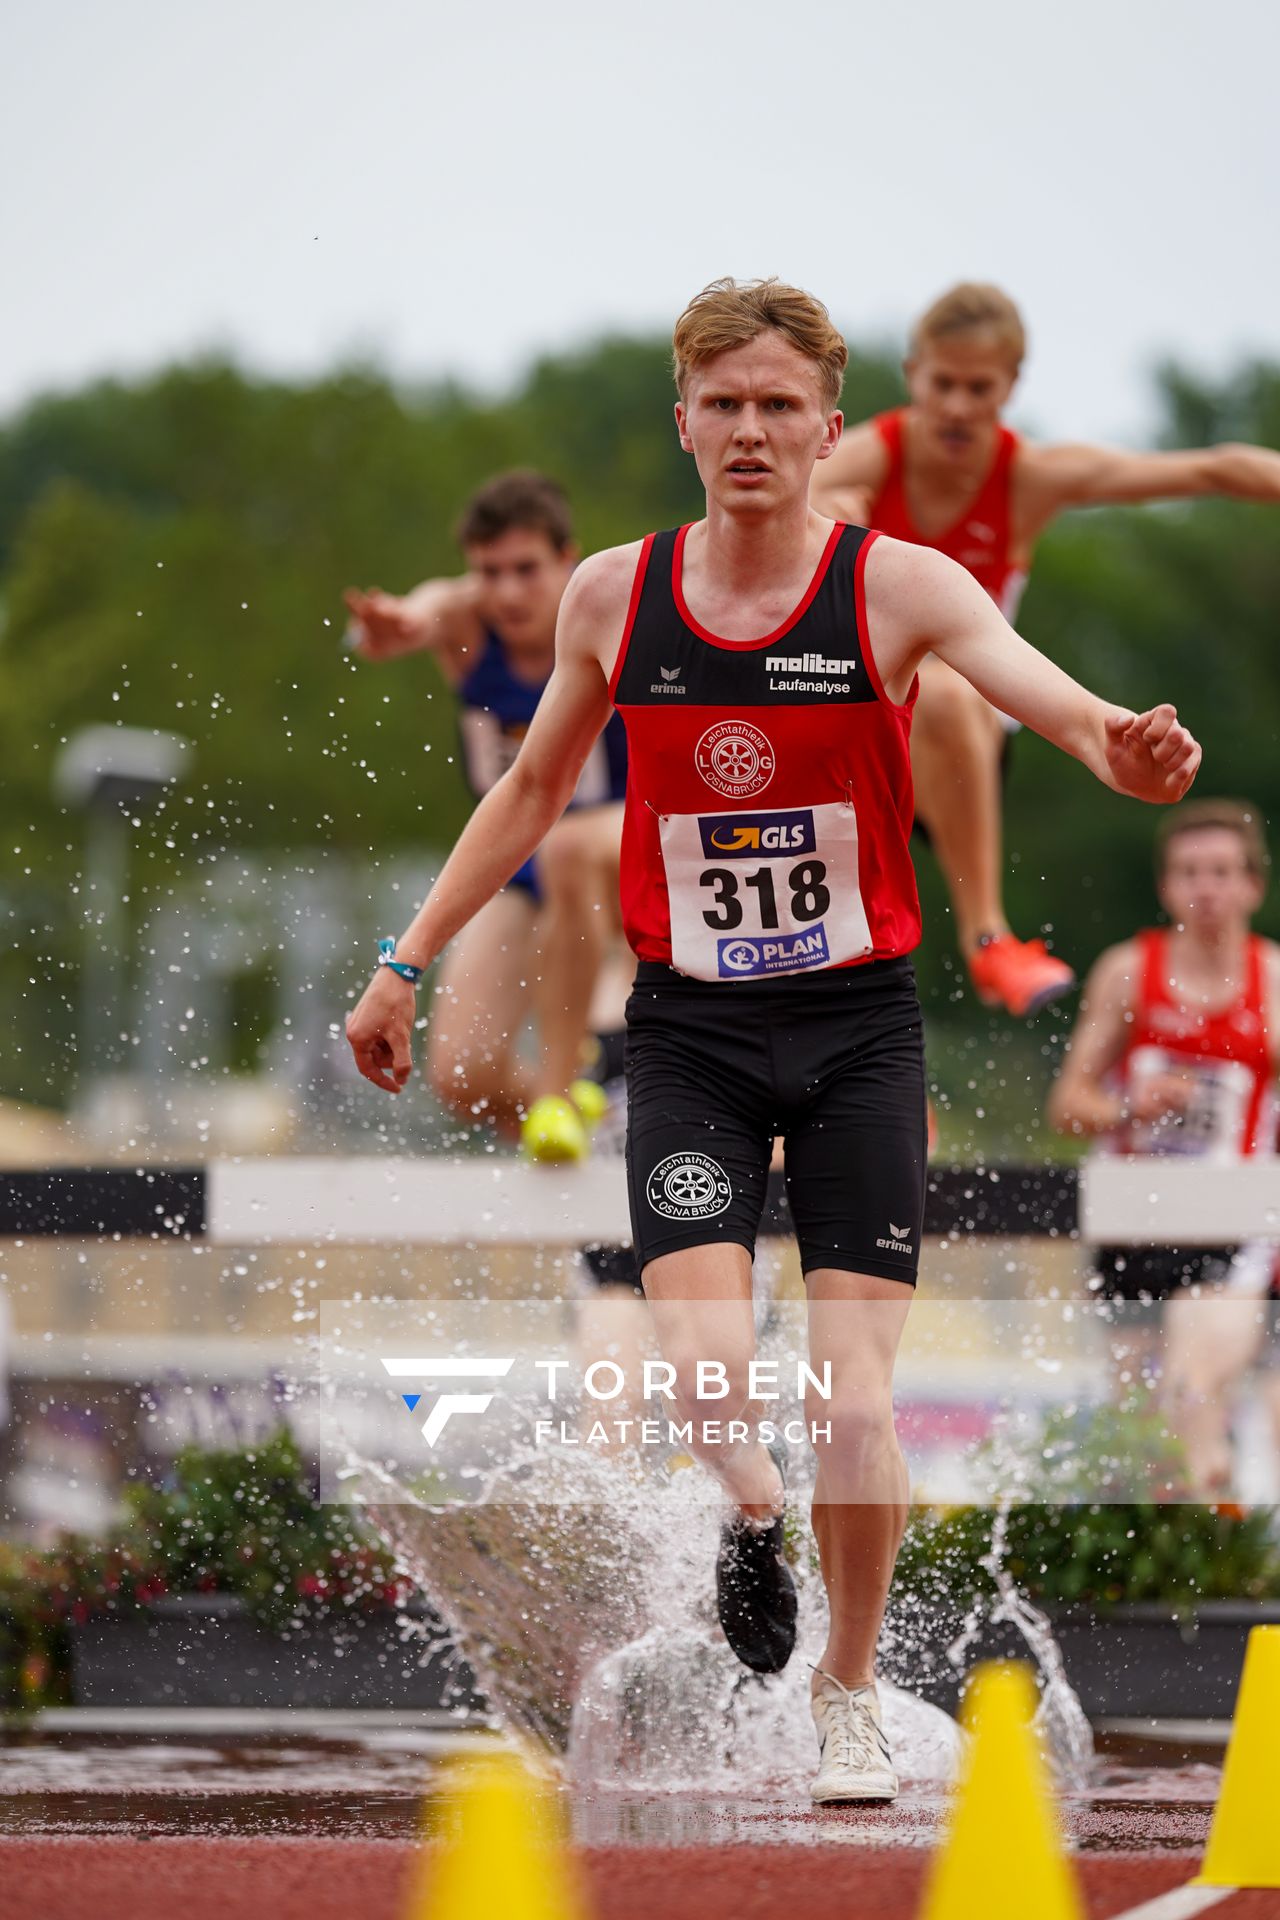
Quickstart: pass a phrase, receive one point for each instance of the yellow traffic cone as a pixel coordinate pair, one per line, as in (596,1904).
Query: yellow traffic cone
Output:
(1002,1856)
(505,1858)
(1244,1840)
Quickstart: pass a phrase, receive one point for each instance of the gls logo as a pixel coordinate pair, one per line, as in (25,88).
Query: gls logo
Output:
(448,1367)
(739,835)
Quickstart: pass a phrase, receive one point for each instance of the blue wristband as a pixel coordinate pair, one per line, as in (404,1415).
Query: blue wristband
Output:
(387,958)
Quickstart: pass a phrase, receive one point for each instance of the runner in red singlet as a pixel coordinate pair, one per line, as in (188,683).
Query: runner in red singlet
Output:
(946,472)
(765,662)
(1176,1052)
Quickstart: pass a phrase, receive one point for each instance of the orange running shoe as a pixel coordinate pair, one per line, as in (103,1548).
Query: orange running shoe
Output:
(1021,975)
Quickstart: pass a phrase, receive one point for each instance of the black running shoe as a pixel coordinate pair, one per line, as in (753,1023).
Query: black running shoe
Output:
(756,1594)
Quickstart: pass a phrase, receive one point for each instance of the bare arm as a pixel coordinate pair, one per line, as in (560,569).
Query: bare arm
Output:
(1082,476)
(845,485)
(920,602)
(1273,1003)
(1079,1102)
(514,816)
(437,616)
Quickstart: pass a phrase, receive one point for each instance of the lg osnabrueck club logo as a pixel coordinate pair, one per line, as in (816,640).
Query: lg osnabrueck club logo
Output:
(735,758)
(447,1367)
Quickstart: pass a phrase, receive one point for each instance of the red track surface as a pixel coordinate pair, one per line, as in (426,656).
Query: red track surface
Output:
(294,1878)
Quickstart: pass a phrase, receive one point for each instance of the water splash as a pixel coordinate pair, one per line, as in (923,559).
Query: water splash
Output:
(1060,1719)
(583,1601)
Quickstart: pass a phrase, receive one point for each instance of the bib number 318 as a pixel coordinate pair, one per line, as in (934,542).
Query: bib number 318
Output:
(753,894)
(810,896)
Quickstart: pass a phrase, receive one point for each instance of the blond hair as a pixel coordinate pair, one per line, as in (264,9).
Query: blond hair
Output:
(1231,816)
(973,304)
(729,313)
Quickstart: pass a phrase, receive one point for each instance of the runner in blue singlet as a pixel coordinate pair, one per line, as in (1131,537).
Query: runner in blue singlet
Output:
(543,938)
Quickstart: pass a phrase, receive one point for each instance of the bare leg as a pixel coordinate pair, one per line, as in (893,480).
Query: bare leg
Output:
(617,976)
(701,1302)
(480,1003)
(614,1324)
(862,1492)
(577,867)
(1210,1341)
(1271,1395)
(956,742)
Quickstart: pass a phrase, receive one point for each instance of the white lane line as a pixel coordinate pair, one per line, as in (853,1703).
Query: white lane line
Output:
(1180,1903)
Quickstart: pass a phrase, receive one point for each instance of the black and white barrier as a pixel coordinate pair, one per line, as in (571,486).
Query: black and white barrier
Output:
(494,1201)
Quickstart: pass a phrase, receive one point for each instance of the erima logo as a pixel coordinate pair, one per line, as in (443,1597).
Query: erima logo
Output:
(899,1243)
(807,663)
(670,682)
(447,1368)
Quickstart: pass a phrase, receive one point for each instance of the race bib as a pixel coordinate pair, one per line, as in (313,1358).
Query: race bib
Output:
(1213,1122)
(759,893)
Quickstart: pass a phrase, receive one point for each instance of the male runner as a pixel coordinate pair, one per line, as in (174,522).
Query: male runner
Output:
(769,894)
(1176,1051)
(492,633)
(946,472)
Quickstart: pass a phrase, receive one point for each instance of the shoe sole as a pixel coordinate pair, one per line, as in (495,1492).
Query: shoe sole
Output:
(1037,1003)
(774,1665)
(851,1799)
(772,1662)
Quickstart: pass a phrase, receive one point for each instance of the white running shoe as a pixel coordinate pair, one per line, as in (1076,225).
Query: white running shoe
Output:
(855,1763)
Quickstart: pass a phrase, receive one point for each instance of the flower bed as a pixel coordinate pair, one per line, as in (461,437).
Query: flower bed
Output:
(235,1546)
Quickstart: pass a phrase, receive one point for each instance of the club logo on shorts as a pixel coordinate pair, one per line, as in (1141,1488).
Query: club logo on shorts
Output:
(688,1186)
(735,758)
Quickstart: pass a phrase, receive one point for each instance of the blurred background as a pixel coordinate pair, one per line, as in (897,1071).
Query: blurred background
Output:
(282,292)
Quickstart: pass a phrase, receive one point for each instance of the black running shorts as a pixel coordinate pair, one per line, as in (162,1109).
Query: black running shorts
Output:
(1157,1273)
(832,1060)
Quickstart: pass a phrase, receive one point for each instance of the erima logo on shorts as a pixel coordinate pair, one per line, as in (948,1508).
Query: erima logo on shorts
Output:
(899,1242)
(741,959)
(688,1186)
(735,758)
(740,835)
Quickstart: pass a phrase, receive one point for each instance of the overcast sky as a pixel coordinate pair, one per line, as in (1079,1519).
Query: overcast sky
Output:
(455,189)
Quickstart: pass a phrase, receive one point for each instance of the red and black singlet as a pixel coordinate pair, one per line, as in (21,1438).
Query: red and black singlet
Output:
(981,540)
(1228,1054)
(769,799)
